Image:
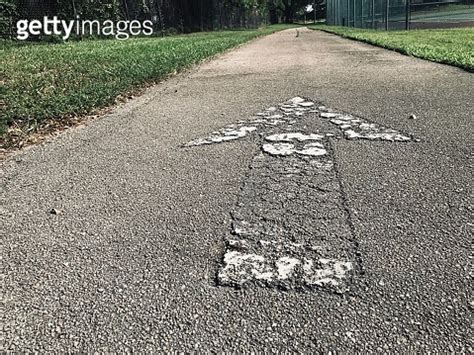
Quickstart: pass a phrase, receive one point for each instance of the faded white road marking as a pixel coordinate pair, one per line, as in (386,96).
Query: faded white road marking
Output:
(297,100)
(290,227)
(355,128)
(289,137)
(313,149)
(295,109)
(286,266)
(240,268)
(384,136)
(226,134)
(282,148)
(328,114)
(279,148)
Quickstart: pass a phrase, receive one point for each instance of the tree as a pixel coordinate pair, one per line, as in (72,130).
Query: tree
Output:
(290,7)
(169,15)
(91,9)
(285,9)
(8,11)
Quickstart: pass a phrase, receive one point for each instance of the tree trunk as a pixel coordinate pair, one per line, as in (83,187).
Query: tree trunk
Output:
(159,5)
(288,11)
(272,11)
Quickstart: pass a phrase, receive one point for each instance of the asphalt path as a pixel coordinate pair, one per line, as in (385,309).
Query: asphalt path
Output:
(114,236)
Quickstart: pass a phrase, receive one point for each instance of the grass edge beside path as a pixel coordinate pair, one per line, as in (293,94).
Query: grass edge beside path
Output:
(447,46)
(47,87)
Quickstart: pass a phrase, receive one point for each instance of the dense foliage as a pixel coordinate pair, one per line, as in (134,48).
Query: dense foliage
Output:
(168,15)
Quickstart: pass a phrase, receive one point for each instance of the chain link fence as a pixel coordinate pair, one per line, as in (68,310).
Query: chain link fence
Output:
(400,14)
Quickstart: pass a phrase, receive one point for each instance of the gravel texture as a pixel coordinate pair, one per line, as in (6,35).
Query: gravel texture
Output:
(128,260)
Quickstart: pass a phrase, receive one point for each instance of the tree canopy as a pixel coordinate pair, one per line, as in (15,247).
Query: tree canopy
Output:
(168,15)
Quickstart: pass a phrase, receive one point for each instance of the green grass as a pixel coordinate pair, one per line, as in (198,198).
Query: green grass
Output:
(43,81)
(449,11)
(449,46)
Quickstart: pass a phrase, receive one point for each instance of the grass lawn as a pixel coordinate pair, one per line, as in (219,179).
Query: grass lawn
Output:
(41,81)
(450,46)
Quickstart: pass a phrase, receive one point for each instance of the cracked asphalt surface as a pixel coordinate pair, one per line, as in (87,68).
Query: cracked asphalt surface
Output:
(290,213)
(130,261)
